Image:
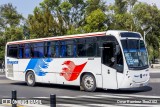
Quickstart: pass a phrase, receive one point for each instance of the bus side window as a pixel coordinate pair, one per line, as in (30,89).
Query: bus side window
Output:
(69,51)
(98,49)
(40,49)
(81,50)
(57,49)
(50,49)
(34,52)
(63,49)
(21,51)
(81,47)
(74,50)
(90,48)
(12,51)
(27,51)
(47,49)
(37,50)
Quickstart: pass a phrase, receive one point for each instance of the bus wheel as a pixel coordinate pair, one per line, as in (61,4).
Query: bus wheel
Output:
(88,82)
(30,79)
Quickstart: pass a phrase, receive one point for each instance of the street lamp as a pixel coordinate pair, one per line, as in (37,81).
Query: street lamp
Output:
(146,32)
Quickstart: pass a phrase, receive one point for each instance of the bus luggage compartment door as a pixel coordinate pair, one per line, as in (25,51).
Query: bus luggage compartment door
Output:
(108,60)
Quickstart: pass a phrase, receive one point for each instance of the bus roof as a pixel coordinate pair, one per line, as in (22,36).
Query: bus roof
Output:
(109,32)
(59,38)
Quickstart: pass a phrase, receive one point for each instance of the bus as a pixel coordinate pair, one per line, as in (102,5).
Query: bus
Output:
(111,59)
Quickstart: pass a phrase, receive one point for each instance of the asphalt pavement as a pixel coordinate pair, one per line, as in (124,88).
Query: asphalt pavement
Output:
(71,96)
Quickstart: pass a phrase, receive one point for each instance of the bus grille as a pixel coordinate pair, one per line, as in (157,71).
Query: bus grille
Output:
(10,70)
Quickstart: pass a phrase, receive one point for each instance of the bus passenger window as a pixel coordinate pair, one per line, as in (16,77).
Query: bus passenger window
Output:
(12,51)
(37,50)
(21,51)
(27,51)
(98,49)
(91,51)
(63,49)
(49,50)
(57,49)
(75,50)
(81,50)
(40,52)
(69,50)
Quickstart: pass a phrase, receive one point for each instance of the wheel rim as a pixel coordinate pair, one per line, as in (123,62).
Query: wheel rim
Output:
(30,79)
(89,82)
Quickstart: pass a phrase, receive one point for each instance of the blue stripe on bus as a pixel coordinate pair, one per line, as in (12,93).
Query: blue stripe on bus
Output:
(38,65)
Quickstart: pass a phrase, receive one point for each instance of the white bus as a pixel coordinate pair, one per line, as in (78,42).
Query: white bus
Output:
(109,60)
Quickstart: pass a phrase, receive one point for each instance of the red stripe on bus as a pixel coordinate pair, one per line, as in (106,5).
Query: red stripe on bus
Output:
(55,38)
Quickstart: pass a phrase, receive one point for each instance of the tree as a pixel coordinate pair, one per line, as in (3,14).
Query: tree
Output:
(10,28)
(120,6)
(146,19)
(95,21)
(41,24)
(120,18)
(92,5)
(9,16)
(122,22)
(68,14)
(131,3)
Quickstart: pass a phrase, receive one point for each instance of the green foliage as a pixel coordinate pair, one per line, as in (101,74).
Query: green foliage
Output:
(95,21)
(9,16)
(10,28)
(92,5)
(123,22)
(41,24)
(13,34)
(146,17)
(120,6)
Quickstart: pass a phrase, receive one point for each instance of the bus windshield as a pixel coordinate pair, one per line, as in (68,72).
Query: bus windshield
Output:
(135,53)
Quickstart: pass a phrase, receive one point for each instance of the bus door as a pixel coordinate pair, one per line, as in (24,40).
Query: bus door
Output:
(108,62)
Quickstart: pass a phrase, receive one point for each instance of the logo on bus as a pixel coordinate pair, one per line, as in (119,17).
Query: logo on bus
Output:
(11,62)
(71,71)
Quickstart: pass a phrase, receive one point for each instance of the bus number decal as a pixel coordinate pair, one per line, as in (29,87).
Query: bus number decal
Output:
(72,71)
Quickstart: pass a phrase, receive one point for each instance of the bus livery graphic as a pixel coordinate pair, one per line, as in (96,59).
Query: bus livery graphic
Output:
(72,71)
(39,66)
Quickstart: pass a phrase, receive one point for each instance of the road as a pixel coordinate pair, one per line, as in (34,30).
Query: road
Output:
(71,96)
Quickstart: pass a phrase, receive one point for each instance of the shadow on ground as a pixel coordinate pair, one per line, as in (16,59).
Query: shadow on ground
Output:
(76,88)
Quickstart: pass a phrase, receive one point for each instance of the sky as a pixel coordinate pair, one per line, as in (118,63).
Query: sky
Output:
(26,7)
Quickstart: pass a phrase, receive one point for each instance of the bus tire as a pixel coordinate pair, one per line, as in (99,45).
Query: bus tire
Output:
(89,83)
(30,79)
